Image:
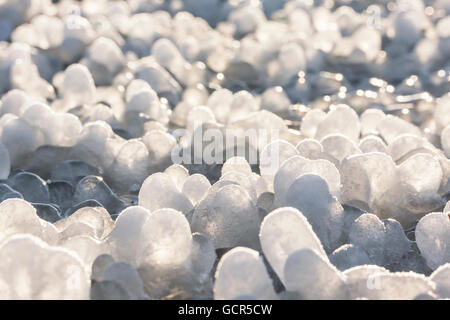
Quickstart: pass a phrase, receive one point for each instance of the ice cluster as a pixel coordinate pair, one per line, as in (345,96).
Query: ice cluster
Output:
(348,196)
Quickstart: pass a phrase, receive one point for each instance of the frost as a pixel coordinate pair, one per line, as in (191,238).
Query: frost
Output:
(208,149)
(241,271)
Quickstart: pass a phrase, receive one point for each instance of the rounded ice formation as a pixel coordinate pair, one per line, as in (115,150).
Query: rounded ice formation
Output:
(229,217)
(432,236)
(284,231)
(159,191)
(308,275)
(245,269)
(343,120)
(206,149)
(5,162)
(78,85)
(296,166)
(52,272)
(310,194)
(165,238)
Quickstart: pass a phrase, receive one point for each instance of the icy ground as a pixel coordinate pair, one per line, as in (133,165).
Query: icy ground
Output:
(347,199)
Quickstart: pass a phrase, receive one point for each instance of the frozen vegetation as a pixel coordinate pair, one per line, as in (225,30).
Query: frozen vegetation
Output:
(111,112)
